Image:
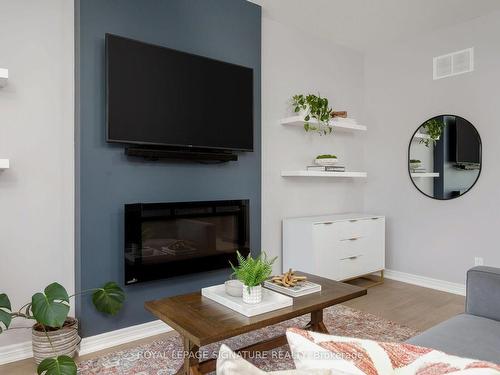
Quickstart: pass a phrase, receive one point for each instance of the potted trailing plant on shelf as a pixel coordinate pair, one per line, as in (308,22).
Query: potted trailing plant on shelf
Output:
(434,129)
(311,107)
(415,163)
(55,335)
(252,272)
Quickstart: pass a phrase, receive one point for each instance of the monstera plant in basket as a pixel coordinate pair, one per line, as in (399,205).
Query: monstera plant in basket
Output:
(55,335)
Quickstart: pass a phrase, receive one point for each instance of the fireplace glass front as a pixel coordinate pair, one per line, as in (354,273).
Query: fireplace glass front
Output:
(170,239)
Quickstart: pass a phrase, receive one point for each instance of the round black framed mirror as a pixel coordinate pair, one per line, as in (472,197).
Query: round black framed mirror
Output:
(445,157)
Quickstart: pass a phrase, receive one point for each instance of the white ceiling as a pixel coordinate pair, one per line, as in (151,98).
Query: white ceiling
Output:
(363,24)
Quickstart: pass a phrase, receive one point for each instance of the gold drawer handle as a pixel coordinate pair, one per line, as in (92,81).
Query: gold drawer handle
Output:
(351,258)
(351,239)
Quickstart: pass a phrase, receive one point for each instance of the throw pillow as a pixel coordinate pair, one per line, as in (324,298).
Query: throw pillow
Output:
(311,350)
(230,363)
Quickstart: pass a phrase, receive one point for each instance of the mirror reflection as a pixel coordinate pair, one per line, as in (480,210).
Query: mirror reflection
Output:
(444,157)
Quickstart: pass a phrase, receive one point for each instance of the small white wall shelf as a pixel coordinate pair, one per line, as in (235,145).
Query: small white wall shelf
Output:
(4,164)
(323,174)
(425,175)
(4,76)
(299,121)
(418,136)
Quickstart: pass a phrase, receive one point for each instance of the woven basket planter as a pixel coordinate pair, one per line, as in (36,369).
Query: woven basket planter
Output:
(64,341)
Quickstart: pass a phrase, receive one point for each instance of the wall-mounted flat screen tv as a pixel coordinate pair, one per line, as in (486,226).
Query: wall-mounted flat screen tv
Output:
(163,97)
(468,143)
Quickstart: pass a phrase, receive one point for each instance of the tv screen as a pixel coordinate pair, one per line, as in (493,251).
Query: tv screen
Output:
(468,143)
(163,97)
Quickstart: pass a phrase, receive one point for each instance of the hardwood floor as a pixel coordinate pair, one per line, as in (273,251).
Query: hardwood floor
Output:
(414,306)
(407,304)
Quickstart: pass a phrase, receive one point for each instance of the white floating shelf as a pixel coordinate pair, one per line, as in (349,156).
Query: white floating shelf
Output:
(4,164)
(323,174)
(419,136)
(4,76)
(428,175)
(299,121)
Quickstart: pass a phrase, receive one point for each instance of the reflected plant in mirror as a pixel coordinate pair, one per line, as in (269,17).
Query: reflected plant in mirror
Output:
(433,129)
(444,157)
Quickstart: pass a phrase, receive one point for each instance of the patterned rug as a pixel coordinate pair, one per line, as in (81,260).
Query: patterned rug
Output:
(164,357)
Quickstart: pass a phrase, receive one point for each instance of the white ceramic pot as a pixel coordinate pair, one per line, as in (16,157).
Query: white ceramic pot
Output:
(253,294)
(327,161)
(234,288)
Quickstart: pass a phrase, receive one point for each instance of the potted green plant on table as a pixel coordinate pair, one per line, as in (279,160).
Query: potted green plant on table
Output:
(55,335)
(252,272)
(312,107)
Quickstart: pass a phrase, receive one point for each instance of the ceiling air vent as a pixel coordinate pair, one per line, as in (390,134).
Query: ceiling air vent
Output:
(453,64)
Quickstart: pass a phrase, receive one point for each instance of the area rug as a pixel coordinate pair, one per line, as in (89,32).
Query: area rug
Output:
(164,357)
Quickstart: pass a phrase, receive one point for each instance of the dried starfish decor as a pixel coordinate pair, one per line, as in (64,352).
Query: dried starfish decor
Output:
(288,279)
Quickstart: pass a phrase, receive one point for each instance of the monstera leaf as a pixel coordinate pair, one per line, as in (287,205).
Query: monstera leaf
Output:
(62,365)
(51,307)
(108,299)
(5,309)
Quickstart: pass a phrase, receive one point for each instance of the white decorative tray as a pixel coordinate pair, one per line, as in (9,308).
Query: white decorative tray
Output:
(270,300)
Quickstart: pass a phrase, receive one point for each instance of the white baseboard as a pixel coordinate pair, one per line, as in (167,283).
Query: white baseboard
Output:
(426,282)
(122,336)
(17,352)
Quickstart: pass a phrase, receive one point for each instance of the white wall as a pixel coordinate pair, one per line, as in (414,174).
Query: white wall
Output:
(296,63)
(37,134)
(427,237)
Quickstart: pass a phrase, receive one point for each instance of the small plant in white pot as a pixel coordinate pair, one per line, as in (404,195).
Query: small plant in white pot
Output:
(415,163)
(252,272)
(326,160)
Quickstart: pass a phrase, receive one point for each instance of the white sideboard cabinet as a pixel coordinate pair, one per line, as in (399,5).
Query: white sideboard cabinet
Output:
(338,247)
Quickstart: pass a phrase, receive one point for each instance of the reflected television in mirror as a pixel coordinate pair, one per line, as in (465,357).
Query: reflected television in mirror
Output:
(444,157)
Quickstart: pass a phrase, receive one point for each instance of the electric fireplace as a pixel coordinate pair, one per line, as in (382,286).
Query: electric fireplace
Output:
(170,239)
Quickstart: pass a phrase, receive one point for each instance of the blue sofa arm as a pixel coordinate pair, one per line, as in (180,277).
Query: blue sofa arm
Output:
(483,292)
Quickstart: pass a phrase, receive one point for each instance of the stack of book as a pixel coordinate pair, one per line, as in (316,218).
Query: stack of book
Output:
(326,168)
(418,170)
(301,289)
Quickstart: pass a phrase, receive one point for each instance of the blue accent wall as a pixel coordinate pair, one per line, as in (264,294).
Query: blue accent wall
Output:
(228,30)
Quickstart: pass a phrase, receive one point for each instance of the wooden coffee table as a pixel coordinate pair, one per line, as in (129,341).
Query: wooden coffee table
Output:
(201,321)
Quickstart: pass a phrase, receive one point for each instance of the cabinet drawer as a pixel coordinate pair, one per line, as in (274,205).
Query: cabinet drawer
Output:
(360,264)
(352,246)
(343,230)
(348,238)
(350,267)
(353,229)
